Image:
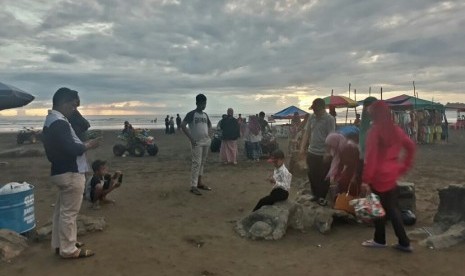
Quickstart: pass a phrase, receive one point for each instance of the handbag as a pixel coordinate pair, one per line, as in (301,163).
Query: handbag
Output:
(342,201)
(368,208)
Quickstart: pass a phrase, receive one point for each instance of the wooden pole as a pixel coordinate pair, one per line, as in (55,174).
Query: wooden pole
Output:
(369,91)
(381,93)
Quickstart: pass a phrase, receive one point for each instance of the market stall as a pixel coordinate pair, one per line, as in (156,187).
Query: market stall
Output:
(421,119)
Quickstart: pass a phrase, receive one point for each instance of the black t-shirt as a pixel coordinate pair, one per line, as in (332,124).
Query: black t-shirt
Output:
(97,180)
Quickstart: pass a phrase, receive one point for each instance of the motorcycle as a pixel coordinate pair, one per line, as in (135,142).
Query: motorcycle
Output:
(28,134)
(138,142)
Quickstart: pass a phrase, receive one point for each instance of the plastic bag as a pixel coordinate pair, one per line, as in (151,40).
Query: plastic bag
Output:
(368,208)
(14,187)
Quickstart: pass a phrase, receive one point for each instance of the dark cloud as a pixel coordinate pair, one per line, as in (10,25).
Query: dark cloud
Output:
(164,52)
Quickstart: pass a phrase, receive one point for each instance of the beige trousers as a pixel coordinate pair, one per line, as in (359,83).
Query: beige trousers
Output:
(64,231)
(199,157)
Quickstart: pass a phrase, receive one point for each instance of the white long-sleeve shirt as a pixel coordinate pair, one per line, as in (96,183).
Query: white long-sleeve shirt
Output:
(282,177)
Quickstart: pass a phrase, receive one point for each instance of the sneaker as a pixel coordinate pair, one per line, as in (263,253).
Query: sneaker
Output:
(407,249)
(195,191)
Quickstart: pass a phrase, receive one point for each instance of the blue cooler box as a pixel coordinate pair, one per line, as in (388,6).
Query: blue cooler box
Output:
(17,211)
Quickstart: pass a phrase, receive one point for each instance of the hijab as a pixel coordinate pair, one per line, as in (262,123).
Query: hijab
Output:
(336,142)
(382,122)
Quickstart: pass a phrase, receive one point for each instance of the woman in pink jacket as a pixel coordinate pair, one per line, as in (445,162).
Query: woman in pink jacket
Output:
(384,164)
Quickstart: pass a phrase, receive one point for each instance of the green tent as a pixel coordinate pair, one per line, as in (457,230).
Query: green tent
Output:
(403,102)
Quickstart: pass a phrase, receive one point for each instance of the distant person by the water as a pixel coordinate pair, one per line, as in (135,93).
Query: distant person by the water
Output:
(178,122)
(264,126)
(66,153)
(280,179)
(101,184)
(198,134)
(230,133)
(252,138)
(167,124)
(171,126)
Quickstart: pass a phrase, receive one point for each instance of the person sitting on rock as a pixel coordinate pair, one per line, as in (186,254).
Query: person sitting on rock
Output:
(281,180)
(102,183)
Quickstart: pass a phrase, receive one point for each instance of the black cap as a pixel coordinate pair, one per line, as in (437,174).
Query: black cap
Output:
(318,102)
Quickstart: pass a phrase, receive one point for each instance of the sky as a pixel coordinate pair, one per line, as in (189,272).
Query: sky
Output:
(154,56)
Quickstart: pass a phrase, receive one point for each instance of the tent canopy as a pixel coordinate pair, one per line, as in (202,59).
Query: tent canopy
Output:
(288,113)
(457,106)
(408,102)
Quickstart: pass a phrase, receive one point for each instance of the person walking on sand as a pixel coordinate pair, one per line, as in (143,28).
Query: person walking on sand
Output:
(281,180)
(167,124)
(230,134)
(319,125)
(178,122)
(66,153)
(172,126)
(383,166)
(198,134)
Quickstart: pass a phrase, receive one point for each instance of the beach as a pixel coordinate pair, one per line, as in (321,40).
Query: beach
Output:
(156,227)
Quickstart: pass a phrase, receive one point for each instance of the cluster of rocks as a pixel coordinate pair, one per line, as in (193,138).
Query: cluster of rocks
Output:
(271,222)
(13,244)
(448,227)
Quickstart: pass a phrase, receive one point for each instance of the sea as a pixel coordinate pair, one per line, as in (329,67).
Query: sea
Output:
(102,122)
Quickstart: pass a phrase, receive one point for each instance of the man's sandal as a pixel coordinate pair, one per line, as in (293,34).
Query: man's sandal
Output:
(83,253)
(204,187)
(77,244)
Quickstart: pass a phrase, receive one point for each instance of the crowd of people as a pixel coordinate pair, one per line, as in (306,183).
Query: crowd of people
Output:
(371,163)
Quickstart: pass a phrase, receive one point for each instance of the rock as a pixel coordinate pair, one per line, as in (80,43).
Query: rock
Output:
(449,222)
(85,224)
(11,244)
(269,222)
(407,198)
(21,152)
(451,208)
(454,235)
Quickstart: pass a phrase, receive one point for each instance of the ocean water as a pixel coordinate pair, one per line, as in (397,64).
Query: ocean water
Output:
(14,124)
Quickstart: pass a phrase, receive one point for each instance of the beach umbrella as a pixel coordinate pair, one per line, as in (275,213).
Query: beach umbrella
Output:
(339,101)
(11,97)
(288,113)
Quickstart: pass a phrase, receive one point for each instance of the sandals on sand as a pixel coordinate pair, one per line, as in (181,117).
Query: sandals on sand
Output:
(83,253)
(204,187)
(77,244)
(407,249)
(373,244)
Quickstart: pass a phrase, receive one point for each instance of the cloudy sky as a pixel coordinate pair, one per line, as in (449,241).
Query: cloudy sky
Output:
(154,56)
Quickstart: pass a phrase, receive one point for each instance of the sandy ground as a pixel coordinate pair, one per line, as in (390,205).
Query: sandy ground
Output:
(156,225)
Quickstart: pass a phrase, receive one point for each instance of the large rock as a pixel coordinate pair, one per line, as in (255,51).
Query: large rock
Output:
(85,224)
(449,222)
(269,222)
(11,244)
